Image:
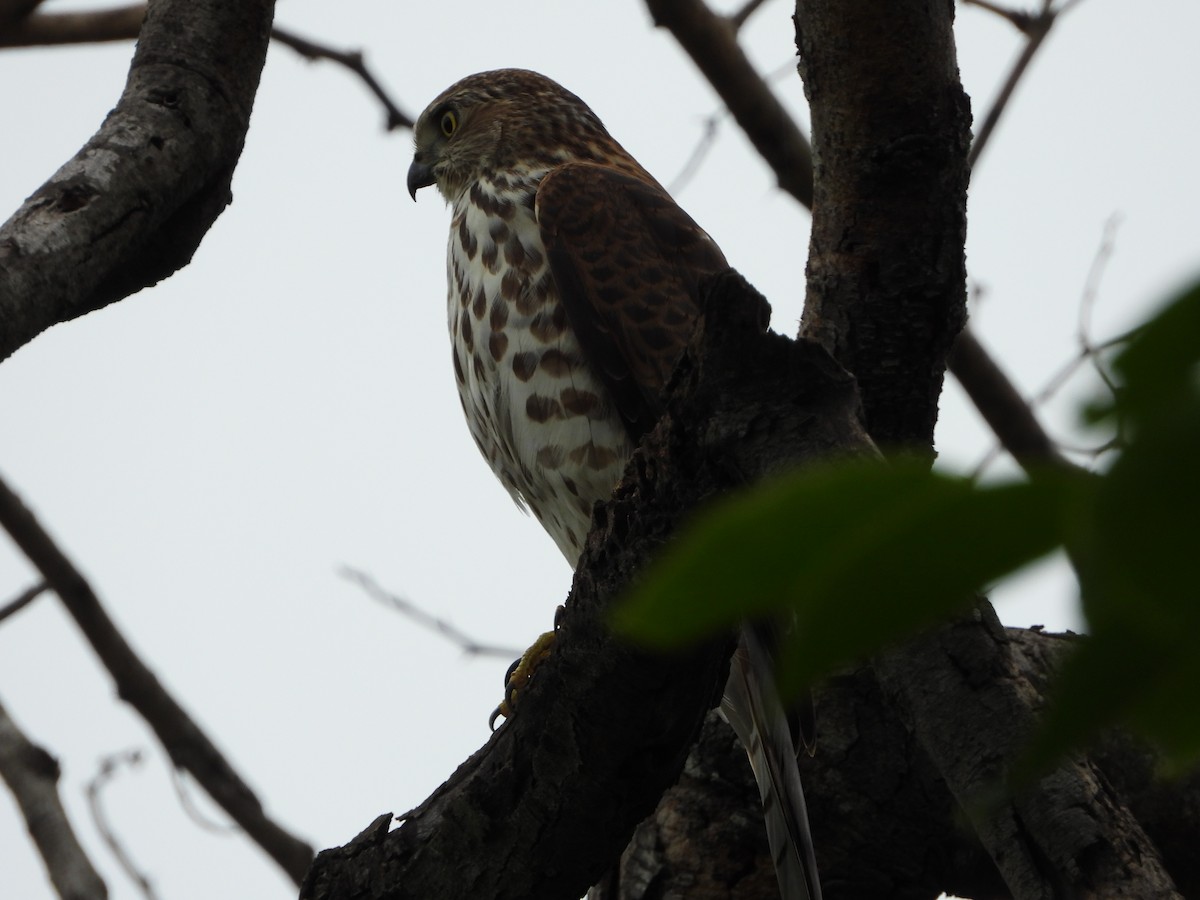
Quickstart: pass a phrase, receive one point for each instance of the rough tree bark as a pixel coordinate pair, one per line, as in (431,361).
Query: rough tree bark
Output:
(547,805)
(134,203)
(910,747)
(544,808)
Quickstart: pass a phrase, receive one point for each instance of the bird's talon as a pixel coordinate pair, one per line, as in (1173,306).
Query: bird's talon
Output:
(520,673)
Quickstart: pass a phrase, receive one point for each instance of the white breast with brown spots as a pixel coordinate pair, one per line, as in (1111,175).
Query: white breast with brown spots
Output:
(541,418)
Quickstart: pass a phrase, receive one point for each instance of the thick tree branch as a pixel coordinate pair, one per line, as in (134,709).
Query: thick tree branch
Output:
(884,821)
(711,41)
(134,203)
(32,775)
(886,295)
(886,270)
(547,805)
(972,710)
(188,746)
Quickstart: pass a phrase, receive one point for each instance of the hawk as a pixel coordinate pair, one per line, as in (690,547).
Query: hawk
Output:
(573,287)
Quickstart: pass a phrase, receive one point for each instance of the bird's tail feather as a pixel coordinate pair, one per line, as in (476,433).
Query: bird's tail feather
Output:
(751,705)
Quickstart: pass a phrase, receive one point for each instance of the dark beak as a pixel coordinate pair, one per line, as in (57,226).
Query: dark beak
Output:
(419,175)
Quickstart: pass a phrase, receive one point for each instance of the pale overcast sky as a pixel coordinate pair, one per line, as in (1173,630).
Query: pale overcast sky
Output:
(209,452)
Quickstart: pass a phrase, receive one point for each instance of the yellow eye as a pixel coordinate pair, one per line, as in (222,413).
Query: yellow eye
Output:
(449,123)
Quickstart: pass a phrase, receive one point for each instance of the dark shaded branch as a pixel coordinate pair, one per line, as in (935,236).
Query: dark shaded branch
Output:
(711,41)
(884,821)
(548,804)
(188,746)
(886,270)
(352,60)
(971,707)
(32,775)
(121,23)
(1001,405)
(23,599)
(134,203)
(703,35)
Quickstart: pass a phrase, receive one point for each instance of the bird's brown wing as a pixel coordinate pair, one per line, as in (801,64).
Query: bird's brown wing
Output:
(628,263)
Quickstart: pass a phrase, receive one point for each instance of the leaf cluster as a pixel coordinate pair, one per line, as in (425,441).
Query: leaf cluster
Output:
(859,555)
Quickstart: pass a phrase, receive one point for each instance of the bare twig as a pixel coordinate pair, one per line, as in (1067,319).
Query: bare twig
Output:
(108,768)
(123,24)
(1089,351)
(1091,290)
(711,41)
(994,395)
(193,812)
(23,599)
(696,158)
(708,138)
(188,746)
(32,775)
(440,626)
(352,60)
(738,19)
(1037,28)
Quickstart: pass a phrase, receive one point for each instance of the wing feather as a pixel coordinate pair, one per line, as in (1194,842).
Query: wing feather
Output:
(628,263)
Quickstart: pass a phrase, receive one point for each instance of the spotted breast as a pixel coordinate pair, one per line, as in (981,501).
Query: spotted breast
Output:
(543,420)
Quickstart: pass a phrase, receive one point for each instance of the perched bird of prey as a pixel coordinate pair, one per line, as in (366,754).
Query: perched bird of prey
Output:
(573,288)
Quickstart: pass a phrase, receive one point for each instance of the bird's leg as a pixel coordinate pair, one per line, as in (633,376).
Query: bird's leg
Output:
(521,671)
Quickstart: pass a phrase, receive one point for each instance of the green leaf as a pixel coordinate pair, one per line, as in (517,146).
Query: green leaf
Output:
(861,553)
(1160,368)
(1135,544)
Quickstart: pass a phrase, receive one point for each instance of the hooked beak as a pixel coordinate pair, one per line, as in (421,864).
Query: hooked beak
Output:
(419,175)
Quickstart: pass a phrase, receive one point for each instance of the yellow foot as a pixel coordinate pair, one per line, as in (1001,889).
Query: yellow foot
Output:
(521,672)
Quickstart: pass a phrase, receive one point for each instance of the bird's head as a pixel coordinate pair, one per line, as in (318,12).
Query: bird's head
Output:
(501,121)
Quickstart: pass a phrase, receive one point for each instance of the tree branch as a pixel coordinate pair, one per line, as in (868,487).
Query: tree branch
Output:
(121,23)
(713,47)
(451,633)
(547,805)
(1007,413)
(886,271)
(13,10)
(23,599)
(962,690)
(32,775)
(108,768)
(352,60)
(711,41)
(124,23)
(134,203)
(884,821)
(1037,28)
(188,746)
